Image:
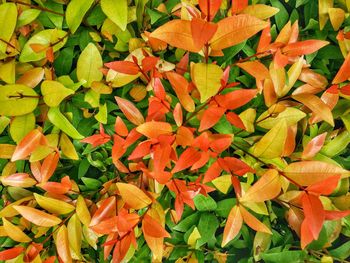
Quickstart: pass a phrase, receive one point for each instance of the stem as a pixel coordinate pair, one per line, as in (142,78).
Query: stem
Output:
(36,7)
(9,44)
(262,54)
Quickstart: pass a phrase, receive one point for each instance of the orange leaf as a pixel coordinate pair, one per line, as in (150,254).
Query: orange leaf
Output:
(335,215)
(106,209)
(303,47)
(314,213)
(236,98)
(235,120)
(256,69)
(180,86)
(314,146)
(133,196)
(344,71)
(187,159)
(37,217)
(233,225)
(210,117)
(252,222)
(235,29)
(202,31)
(306,234)
(265,39)
(49,166)
(11,253)
(50,55)
(125,67)
(238,6)
(27,145)
(120,127)
(62,244)
(18,180)
(325,187)
(266,188)
(37,48)
(130,111)
(153,129)
(149,63)
(153,228)
(176,33)
(35,168)
(211,6)
(310,172)
(317,106)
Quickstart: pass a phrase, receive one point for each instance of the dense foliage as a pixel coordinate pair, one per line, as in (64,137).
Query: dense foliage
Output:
(175,131)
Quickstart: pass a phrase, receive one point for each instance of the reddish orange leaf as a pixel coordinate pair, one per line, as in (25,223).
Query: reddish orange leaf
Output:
(211,6)
(180,86)
(235,120)
(120,127)
(149,63)
(126,67)
(49,166)
(238,6)
(35,168)
(153,129)
(130,111)
(314,213)
(265,39)
(252,222)
(210,117)
(314,146)
(303,47)
(187,159)
(153,228)
(233,225)
(344,71)
(236,98)
(106,209)
(305,234)
(325,187)
(37,48)
(27,145)
(335,215)
(11,253)
(202,31)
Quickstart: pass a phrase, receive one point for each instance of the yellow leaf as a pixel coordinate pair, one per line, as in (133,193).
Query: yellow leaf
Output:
(17,100)
(62,244)
(75,13)
(278,77)
(89,65)
(54,92)
(54,206)
(9,211)
(310,172)
(101,116)
(14,232)
(207,79)
(293,75)
(37,217)
(223,183)
(90,236)
(323,7)
(271,145)
(83,211)
(248,118)
(8,19)
(75,234)
(290,115)
(7,71)
(194,236)
(235,29)
(21,126)
(133,196)
(337,16)
(260,11)
(317,106)
(7,150)
(118,13)
(67,147)
(266,188)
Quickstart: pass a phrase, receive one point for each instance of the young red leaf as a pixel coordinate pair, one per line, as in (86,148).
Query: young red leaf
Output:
(153,228)
(209,6)
(235,120)
(325,187)
(149,63)
(120,127)
(238,6)
(233,225)
(126,67)
(265,39)
(256,69)
(314,213)
(344,71)
(314,146)
(210,117)
(335,215)
(106,210)
(48,167)
(236,98)
(130,111)
(11,253)
(186,160)
(202,31)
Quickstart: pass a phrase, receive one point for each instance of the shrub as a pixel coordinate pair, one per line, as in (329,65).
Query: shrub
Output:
(175,131)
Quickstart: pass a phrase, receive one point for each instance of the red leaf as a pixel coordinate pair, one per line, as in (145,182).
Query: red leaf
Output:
(314,213)
(49,166)
(265,39)
(120,127)
(181,67)
(325,187)
(50,55)
(236,98)
(335,215)
(303,47)
(209,7)
(213,172)
(153,228)
(235,166)
(306,234)
(345,90)
(149,63)
(238,6)
(235,120)
(126,67)
(153,129)
(210,117)
(130,111)
(202,31)
(11,253)
(344,71)
(187,159)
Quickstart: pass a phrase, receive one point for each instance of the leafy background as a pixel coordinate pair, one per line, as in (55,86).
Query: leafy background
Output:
(75,34)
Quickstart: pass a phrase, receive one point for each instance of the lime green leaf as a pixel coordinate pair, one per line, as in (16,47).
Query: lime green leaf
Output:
(118,13)
(61,122)
(17,100)
(89,65)
(290,115)
(101,116)
(75,13)
(45,38)
(21,126)
(54,92)
(27,16)
(8,19)
(207,78)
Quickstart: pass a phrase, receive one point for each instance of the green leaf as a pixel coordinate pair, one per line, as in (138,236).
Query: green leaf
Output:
(284,256)
(54,92)
(208,223)
(342,251)
(12,101)
(55,37)
(204,203)
(224,207)
(61,122)
(8,19)
(118,13)
(27,16)
(89,65)
(91,183)
(75,13)
(21,126)
(186,223)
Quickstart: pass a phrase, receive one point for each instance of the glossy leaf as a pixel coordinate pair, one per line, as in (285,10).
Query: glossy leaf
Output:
(37,217)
